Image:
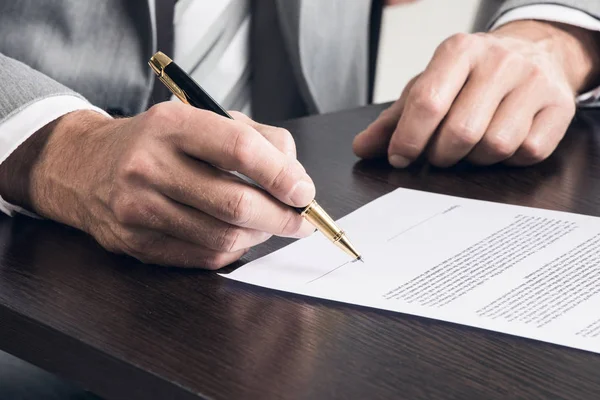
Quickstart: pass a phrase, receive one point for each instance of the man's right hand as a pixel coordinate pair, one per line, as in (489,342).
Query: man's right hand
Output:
(155,186)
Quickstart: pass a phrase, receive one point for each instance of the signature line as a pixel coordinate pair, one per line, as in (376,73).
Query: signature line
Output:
(327,273)
(417,224)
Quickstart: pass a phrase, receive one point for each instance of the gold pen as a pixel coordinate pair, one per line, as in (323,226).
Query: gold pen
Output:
(189,92)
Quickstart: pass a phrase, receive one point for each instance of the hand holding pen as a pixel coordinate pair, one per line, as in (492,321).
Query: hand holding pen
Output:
(154,186)
(185,209)
(189,92)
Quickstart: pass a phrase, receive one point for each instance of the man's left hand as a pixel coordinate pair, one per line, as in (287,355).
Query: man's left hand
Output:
(505,96)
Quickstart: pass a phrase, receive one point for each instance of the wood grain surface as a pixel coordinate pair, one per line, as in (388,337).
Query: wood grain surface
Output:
(130,331)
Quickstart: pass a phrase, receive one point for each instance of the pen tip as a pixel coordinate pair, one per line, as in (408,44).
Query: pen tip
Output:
(359,258)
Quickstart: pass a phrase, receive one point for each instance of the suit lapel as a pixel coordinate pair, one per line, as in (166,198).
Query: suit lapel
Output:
(328,45)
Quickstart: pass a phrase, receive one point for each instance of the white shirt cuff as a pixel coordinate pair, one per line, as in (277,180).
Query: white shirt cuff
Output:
(562,14)
(18,127)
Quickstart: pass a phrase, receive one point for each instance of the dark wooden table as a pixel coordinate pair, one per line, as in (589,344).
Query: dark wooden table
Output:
(131,331)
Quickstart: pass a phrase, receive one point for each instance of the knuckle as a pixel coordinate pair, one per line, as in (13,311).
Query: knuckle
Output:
(239,208)
(291,224)
(139,245)
(459,42)
(227,239)
(427,99)
(281,181)
(126,209)
(498,51)
(238,115)
(166,111)
(564,103)
(537,72)
(108,241)
(405,147)
(463,133)
(284,133)
(534,150)
(504,58)
(240,146)
(500,145)
(147,247)
(138,165)
(287,138)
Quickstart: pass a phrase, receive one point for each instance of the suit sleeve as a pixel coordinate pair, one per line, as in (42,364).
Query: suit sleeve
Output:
(590,7)
(29,100)
(22,86)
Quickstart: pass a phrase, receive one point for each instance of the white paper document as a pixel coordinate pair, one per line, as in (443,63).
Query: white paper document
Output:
(522,271)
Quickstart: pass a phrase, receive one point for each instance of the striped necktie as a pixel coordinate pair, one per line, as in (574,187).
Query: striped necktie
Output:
(212,44)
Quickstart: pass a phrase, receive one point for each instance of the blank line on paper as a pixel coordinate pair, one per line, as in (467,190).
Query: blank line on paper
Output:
(422,222)
(328,272)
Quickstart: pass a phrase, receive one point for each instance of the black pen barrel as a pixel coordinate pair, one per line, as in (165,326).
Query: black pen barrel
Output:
(196,96)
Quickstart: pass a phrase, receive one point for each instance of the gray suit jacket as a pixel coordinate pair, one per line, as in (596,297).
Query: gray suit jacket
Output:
(491,10)
(98,50)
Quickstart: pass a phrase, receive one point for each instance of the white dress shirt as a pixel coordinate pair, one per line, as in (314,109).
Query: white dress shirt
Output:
(212,44)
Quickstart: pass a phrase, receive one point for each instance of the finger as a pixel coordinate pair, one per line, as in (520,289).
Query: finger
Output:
(473,110)
(548,128)
(160,214)
(509,126)
(227,198)
(373,141)
(430,98)
(173,252)
(279,137)
(235,146)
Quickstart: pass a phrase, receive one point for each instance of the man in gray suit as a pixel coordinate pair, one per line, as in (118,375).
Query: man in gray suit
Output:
(503,96)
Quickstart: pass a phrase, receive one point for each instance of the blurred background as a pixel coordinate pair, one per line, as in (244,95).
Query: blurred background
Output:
(410,34)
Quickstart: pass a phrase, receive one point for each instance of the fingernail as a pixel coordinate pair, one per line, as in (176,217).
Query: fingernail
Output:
(398,161)
(305,230)
(302,193)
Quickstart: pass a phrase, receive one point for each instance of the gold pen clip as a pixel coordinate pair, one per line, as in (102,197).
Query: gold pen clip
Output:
(158,63)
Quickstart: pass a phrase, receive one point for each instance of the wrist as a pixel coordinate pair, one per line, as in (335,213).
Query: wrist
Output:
(577,50)
(37,175)
(65,168)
